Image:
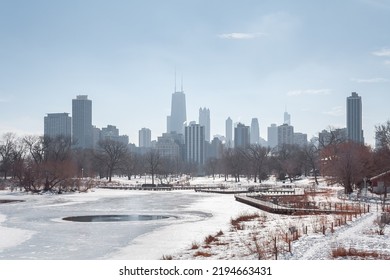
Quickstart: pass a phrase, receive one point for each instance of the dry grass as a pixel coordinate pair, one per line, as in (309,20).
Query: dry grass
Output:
(236,223)
(352,253)
(209,239)
(202,254)
(194,246)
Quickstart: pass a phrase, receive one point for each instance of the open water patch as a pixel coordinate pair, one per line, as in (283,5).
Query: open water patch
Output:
(10,201)
(114,218)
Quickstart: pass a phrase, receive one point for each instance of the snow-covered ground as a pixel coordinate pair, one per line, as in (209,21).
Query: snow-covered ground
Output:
(34,229)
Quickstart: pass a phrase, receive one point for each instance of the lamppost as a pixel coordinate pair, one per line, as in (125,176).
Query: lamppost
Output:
(82,173)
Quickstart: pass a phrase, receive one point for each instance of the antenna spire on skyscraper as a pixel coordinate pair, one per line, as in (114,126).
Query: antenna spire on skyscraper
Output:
(182,83)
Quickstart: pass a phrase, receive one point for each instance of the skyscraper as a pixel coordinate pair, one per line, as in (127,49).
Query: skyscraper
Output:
(285,134)
(178,112)
(255,131)
(195,144)
(287,118)
(229,132)
(57,124)
(204,120)
(145,138)
(241,136)
(354,118)
(272,136)
(82,121)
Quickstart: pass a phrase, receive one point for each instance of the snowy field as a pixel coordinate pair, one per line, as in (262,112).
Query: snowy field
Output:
(198,226)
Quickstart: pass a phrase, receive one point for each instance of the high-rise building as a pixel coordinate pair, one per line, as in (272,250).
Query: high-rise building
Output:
(285,135)
(178,112)
(204,120)
(300,139)
(272,136)
(195,144)
(241,136)
(354,118)
(168,147)
(82,122)
(229,132)
(111,132)
(255,132)
(287,118)
(145,137)
(57,124)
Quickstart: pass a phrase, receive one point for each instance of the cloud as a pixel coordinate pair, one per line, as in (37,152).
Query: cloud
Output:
(241,36)
(300,92)
(382,52)
(335,111)
(371,80)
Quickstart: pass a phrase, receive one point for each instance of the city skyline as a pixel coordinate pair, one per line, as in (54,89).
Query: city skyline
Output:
(242,60)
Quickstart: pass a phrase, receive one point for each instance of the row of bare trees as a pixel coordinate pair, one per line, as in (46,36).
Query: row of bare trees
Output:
(42,163)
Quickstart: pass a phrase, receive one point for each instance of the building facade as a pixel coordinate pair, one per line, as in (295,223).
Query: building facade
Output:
(82,122)
(204,120)
(229,133)
(354,118)
(255,132)
(145,138)
(58,124)
(195,144)
(241,136)
(272,136)
(178,115)
(285,135)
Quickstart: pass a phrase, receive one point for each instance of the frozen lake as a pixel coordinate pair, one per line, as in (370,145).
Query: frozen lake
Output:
(35,229)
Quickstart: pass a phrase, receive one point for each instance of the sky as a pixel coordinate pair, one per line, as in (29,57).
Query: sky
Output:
(241,59)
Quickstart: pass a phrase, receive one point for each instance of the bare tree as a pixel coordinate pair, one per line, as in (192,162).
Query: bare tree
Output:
(383,135)
(152,162)
(211,166)
(258,157)
(110,153)
(311,154)
(346,164)
(7,152)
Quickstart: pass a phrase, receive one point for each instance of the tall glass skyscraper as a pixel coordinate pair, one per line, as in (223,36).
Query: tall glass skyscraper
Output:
(82,122)
(178,115)
(354,118)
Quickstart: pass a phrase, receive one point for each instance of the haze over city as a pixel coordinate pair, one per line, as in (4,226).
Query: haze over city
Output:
(240,59)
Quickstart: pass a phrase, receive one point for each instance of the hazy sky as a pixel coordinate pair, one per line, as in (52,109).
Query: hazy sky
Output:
(241,59)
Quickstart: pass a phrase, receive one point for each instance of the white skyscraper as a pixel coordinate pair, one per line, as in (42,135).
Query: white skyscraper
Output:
(145,138)
(204,120)
(255,131)
(287,118)
(229,132)
(195,144)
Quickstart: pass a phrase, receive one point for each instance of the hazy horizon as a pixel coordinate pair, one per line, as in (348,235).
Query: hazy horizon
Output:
(241,59)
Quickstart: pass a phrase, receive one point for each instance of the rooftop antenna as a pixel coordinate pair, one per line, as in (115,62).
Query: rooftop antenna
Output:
(182,83)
